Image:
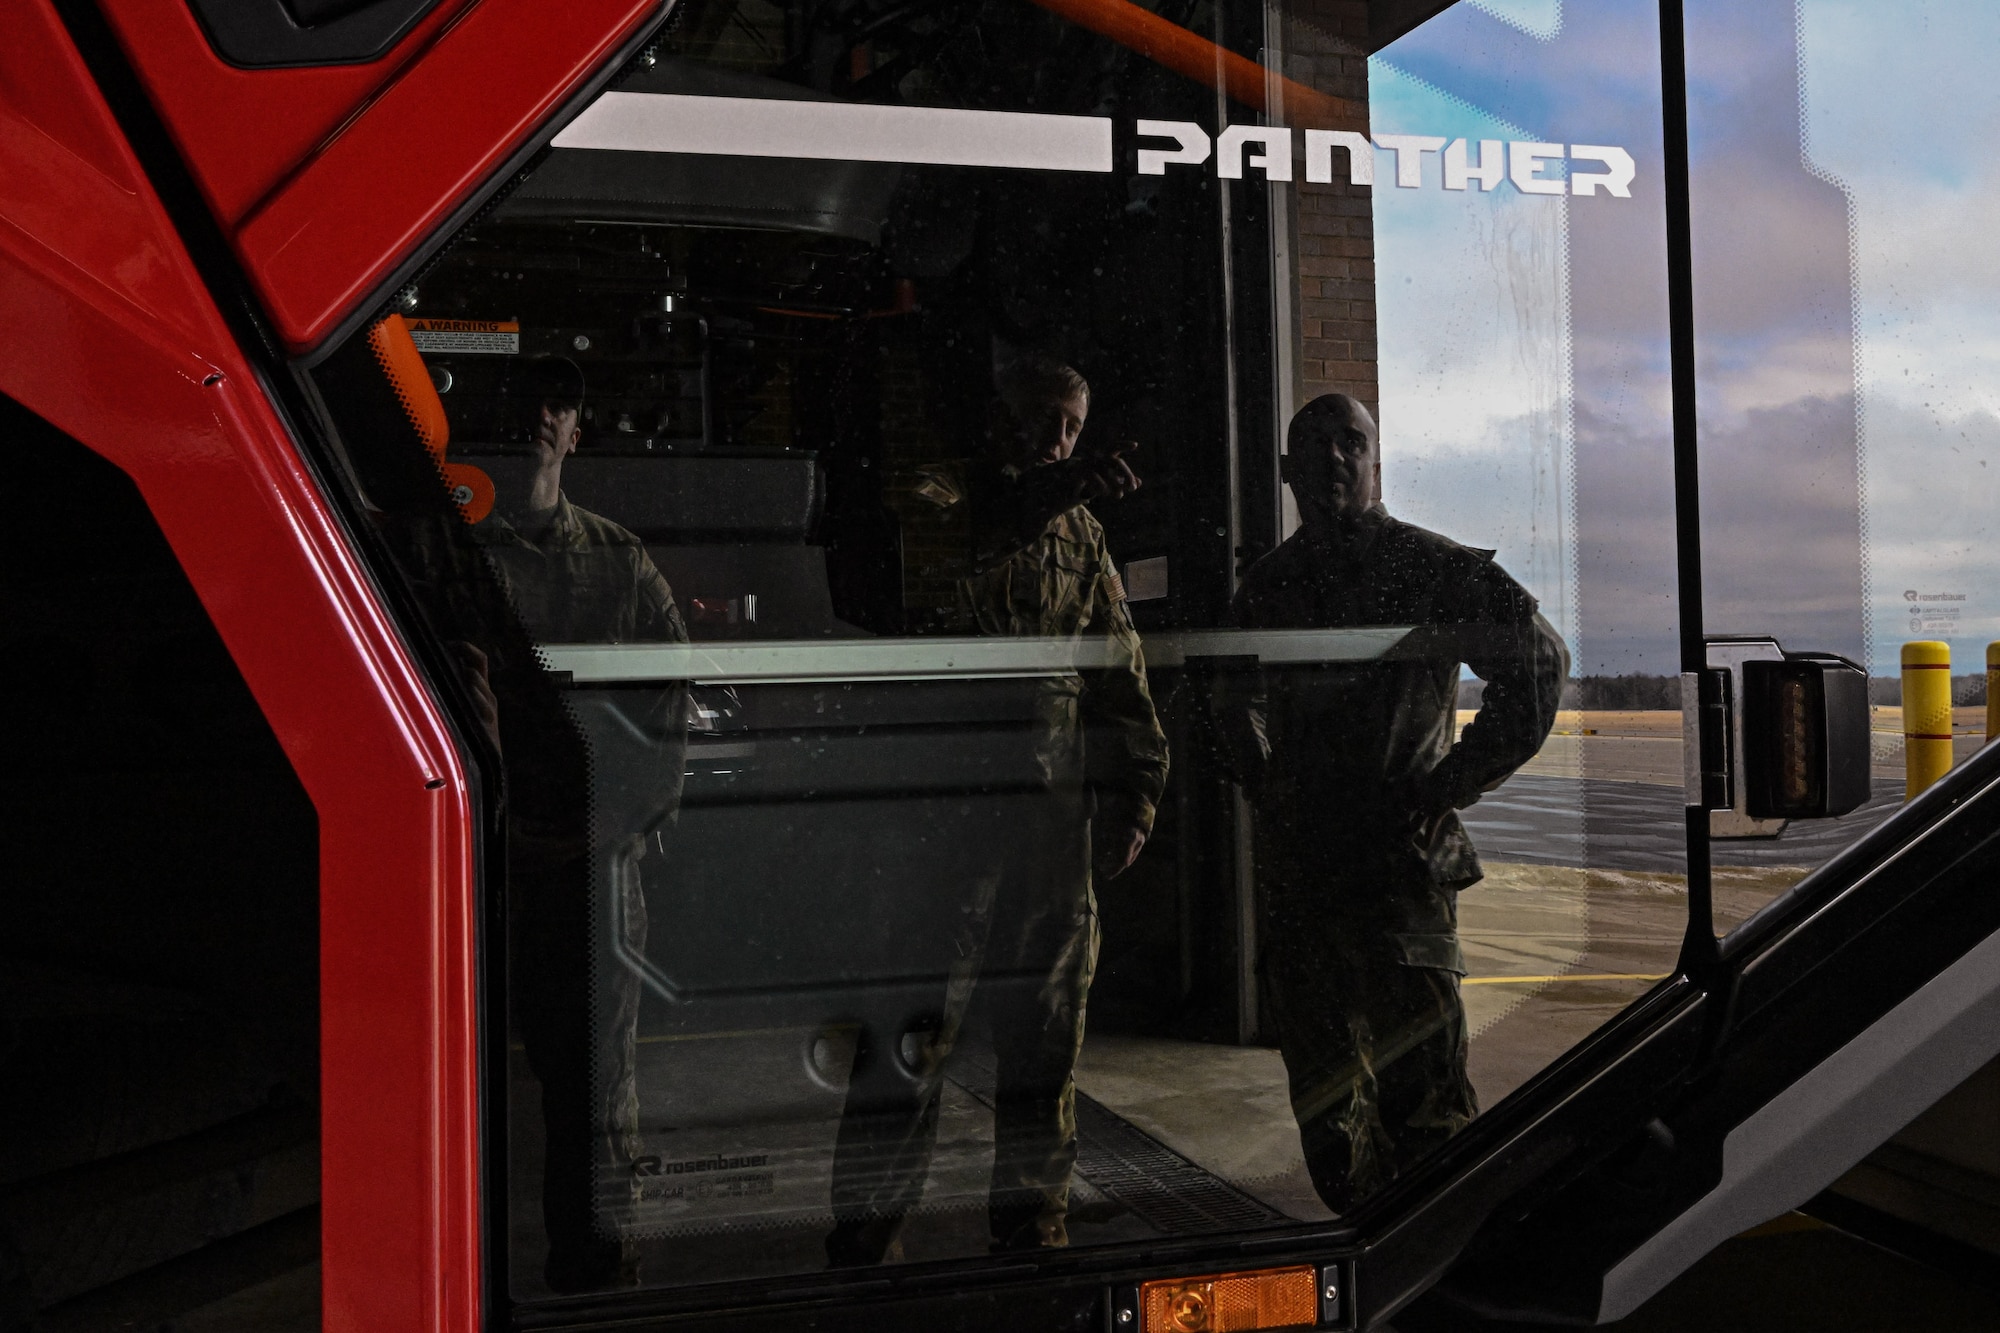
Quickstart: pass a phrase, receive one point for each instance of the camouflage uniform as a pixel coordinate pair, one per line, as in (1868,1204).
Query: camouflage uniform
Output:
(1360,852)
(1029,936)
(584,580)
(587,580)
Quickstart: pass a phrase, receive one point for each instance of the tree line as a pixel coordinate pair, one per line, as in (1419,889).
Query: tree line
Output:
(1638,692)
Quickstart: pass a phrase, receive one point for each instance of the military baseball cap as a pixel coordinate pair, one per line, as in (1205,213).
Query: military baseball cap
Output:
(555,380)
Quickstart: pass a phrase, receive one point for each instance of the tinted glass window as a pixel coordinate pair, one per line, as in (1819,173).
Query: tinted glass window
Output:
(1077,607)
(1849,493)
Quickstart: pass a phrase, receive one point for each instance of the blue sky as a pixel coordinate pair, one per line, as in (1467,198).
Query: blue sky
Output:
(1844,209)
(1474,335)
(1901,108)
(1537,18)
(1845,205)
(1523,351)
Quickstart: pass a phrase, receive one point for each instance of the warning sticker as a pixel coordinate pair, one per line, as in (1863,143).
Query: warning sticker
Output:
(499,337)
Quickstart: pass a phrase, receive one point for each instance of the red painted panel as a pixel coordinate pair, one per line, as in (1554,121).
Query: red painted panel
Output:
(71,183)
(333,232)
(326,178)
(35,50)
(243,131)
(167,397)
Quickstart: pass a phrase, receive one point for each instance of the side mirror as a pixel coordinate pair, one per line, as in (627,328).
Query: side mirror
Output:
(1782,736)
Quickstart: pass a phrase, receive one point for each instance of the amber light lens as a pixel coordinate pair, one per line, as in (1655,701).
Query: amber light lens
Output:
(1794,776)
(1269,1298)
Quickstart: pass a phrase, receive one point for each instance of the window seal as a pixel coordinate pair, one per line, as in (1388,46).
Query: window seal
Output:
(272,34)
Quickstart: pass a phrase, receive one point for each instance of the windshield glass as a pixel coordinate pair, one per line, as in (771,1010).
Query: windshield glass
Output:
(1850,497)
(1076,601)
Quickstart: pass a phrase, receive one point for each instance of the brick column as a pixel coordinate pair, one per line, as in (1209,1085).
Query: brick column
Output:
(1325,48)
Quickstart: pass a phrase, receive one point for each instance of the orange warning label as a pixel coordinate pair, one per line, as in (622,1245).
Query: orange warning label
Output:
(498,337)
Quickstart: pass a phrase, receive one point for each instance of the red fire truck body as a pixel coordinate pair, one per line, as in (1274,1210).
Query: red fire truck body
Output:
(176,229)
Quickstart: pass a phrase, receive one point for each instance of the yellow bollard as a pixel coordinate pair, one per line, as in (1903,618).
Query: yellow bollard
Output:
(1926,714)
(1993,690)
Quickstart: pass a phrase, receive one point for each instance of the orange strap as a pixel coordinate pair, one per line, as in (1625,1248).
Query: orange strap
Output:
(1195,57)
(396,352)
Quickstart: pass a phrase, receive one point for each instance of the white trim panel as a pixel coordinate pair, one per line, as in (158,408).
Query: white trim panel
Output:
(1813,1132)
(841,131)
(778,661)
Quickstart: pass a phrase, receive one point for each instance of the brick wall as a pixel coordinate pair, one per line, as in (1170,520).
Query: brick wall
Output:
(1335,230)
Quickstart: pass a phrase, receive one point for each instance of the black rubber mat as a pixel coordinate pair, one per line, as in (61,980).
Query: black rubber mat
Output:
(1170,1193)
(1166,1189)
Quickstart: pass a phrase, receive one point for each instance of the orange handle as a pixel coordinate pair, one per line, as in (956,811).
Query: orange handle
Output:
(1195,57)
(396,352)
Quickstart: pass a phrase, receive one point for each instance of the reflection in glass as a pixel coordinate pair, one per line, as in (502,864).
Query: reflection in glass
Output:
(1033,563)
(1524,407)
(1357,778)
(1843,301)
(866,534)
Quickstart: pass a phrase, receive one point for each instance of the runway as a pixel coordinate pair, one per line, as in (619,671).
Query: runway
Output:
(1617,825)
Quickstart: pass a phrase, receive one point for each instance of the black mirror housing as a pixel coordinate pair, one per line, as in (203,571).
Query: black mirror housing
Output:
(1805,737)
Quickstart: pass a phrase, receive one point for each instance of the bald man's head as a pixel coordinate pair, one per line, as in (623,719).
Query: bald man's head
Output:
(1330,459)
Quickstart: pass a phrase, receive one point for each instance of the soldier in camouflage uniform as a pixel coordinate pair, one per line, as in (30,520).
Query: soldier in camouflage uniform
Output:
(1034,563)
(574,577)
(1356,782)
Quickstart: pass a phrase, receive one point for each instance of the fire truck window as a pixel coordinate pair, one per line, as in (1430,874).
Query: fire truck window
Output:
(1850,452)
(159,1051)
(1079,626)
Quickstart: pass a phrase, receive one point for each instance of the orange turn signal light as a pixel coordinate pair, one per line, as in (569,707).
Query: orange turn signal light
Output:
(1231,1302)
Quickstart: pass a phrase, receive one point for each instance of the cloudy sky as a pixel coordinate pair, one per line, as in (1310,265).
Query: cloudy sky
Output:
(1525,399)
(1902,110)
(1844,204)
(1474,328)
